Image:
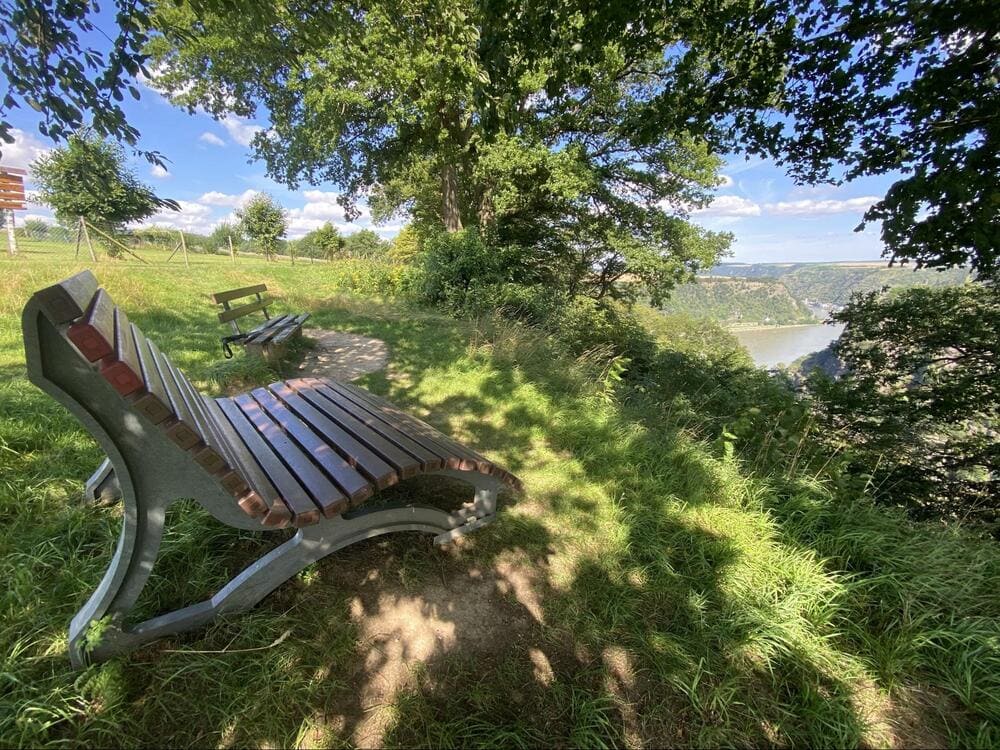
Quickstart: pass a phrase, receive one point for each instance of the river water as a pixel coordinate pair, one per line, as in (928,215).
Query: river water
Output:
(784,344)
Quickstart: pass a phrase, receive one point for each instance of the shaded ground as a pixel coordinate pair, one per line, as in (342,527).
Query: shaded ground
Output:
(343,356)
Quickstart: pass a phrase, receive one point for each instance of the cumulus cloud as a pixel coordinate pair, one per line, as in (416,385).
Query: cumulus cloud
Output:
(211,139)
(730,205)
(25,149)
(193,217)
(159,172)
(240,130)
(215,198)
(321,207)
(808,207)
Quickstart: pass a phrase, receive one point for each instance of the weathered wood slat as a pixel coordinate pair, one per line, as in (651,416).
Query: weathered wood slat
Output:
(266,495)
(121,368)
(94,334)
(404,464)
(304,511)
(266,327)
(354,452)
(354,486)
(220,297)
(156,403)
(324,494)
(204,452)
(68,300)
(238,312)
(185,432)
(429,460)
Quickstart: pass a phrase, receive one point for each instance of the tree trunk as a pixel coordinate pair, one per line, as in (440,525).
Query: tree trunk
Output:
(487,212)
(450,210)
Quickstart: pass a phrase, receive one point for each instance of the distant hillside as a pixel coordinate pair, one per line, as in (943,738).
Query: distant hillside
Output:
(736,301)
(833,283)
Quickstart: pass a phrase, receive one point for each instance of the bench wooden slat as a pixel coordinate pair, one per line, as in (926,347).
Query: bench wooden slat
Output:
(121,368)
(355,453)
(246,291)
(68,300)
(304,511)
(453,455)
(184,432)
(323,493)
(205,453)
(278,320)
(263,335)
(354,486)
(238,312)
(429,461)
(404,464)
(262,496)
(153,404)
(94,334)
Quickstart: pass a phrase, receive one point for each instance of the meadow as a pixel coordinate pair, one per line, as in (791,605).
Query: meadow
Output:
(654,585)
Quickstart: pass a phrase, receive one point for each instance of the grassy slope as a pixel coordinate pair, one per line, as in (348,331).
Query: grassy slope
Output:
(736,301)
(679,598)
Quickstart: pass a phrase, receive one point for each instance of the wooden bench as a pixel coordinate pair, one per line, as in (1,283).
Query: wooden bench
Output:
(305,453)
(270,338)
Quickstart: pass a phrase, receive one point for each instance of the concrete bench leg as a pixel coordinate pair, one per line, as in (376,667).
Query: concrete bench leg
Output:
(102,485)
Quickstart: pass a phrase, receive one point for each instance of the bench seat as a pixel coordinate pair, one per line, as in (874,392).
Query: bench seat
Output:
(269,338)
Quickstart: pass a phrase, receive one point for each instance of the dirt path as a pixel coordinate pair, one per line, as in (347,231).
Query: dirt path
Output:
(343,356)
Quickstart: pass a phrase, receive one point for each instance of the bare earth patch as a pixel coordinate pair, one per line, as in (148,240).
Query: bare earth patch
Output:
(343,356)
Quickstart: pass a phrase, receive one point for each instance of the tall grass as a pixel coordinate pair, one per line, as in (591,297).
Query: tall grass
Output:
(656,587)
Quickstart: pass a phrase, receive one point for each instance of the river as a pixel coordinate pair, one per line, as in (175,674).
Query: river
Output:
(785,344)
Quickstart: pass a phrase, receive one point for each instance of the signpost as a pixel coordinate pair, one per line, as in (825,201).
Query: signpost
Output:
(11,199)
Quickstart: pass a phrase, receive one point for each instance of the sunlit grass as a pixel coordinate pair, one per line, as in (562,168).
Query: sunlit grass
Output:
(670,594)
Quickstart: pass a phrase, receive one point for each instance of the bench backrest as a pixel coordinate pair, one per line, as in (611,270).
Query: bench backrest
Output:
(147,382)
(232,314)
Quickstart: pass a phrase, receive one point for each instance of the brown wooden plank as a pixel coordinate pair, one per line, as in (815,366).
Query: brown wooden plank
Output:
(121,368)
(154,404)
(185,431)
(238,312)
(354,452)
(404,464)
(324,493)
(246,291)
(264,334)
(205,453)
(429,460)
(94,334)
(304,511)
(68,300)
(269,323)
(354,486)
(417,426)
(242,460)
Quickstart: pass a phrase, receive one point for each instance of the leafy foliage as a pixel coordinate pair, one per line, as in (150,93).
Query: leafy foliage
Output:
(324,242)
(735,301)
(406,246)
(919,405)
(222,234)
(264,222)
(88,177)
(365,244)
(35,229)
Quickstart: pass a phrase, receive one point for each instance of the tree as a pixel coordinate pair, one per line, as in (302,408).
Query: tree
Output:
(406,246)
(36,229)
(263,221)
(477,114)
(88,177)
(919,405)
(222,234)
(365,244)
(322,242)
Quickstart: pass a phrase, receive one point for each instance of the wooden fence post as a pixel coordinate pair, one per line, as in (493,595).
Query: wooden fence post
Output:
(184,248)
(86,236)
(232,253)
(11,238)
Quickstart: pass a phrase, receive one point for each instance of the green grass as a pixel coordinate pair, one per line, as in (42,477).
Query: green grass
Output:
(654,591)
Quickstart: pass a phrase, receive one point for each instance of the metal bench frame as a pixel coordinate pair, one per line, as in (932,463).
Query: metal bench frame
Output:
(150,473)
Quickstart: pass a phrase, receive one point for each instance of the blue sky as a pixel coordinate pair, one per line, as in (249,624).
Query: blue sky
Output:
(210,174)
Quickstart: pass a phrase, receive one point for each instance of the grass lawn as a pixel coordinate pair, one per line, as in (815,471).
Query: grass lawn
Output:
(646,590)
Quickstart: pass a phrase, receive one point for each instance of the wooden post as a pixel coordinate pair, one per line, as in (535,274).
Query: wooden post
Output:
(232,253)
(86,236)
(291,252)
(184,248)
(79,236)
(11,239)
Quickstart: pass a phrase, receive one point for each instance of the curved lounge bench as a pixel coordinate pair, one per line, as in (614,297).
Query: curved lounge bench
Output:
(306,452)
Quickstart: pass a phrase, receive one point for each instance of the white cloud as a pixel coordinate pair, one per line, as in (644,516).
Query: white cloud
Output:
(727,181)
(193,217)
(215,198)
(36,217)
(809,207)
(25,149)
(211,138)
(239,129)
(159,172)
(321,207)
(730,205)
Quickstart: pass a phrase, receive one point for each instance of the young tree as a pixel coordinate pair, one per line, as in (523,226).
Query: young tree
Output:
(222,234)
(36,229)
(364,244)
(406,246)
(263,221)
(88,177)
(323,242)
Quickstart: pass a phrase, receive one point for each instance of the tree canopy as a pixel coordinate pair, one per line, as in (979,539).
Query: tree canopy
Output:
(264,222)
(89,177)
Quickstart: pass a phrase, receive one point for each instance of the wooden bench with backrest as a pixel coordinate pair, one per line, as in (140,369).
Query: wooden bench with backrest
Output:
(305,453)
(270,338)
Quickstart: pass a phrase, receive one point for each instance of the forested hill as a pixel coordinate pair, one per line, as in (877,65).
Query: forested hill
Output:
(833,283)
(739,301)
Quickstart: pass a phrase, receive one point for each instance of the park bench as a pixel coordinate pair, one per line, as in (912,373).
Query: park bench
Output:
(270,338)
(306,453)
